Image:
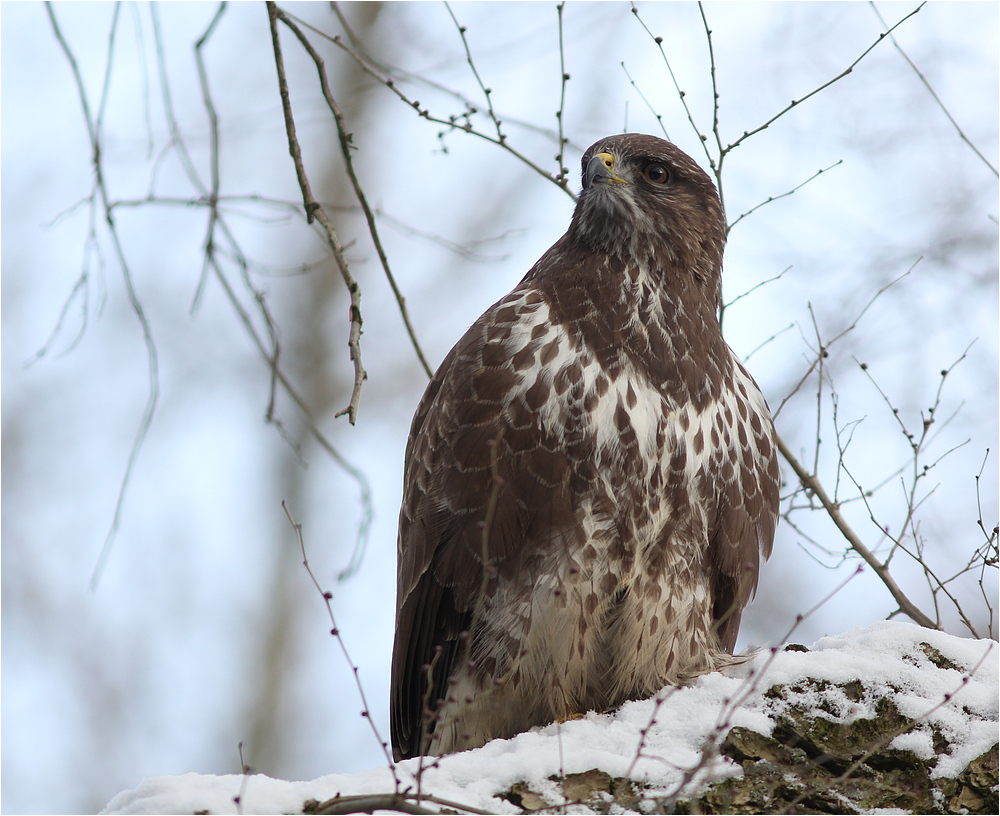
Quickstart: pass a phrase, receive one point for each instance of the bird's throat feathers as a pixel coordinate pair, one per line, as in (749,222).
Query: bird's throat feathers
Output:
(606,285)
(603,236)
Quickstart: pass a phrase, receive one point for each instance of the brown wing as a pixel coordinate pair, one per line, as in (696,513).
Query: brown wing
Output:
(452,479)
(746,501)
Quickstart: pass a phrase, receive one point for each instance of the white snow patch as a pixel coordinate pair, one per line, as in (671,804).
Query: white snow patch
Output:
(886,657)
(919,743)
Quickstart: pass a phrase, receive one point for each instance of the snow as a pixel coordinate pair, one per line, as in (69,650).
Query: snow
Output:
(890,658)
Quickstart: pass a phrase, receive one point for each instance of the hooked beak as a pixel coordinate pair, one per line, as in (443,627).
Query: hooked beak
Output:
(601,170)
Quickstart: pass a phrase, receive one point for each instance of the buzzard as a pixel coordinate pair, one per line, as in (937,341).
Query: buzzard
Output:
(590,477)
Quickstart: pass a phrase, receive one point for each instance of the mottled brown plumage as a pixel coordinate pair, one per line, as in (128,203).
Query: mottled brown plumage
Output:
(590,477)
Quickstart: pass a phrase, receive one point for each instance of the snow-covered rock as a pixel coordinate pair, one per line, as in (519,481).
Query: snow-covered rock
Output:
(914,708)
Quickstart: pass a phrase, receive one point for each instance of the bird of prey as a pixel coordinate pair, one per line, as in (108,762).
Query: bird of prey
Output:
(591,476)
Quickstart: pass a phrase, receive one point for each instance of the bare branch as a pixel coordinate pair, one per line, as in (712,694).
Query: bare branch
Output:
(785,194)
(680,95)
(462,250)
(937,99)
(811,483)
(642,96)
(176,140)
(487,92)
(245,772)
(379,73)
(94,129)
(213,121)
(368,61)
(297,398)
(822,349)
(346,145)
(315,210)
(757,286)
(796,102)
(335,631)
(563,79)
(396,802)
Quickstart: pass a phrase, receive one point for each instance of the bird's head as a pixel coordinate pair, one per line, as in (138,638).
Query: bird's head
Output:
(647,202)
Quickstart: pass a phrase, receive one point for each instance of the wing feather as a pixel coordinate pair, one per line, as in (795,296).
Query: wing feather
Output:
(452,478)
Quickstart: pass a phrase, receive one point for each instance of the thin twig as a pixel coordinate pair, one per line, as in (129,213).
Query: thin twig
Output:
(271,354)
(796,102)
(346,145)
(213,121)
(209,198)
(820,379)
(757,286)
(94,130)
(642,96)
(811,483)
(681,94)
(487,92)
(715,103)
(373,65)
(379,74)
(396,802)
(315,210)
(937,99)
(918,444)
(785,194)
(297,398)
(770,339)
(245,771)
(819,352)
(176,141)
(563,79)
(716,165)
(465,251)
(335,631)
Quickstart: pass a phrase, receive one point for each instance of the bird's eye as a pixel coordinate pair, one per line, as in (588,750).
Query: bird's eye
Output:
(655,173)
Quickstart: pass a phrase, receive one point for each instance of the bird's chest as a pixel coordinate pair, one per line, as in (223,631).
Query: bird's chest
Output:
(619,411)
(631,403)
